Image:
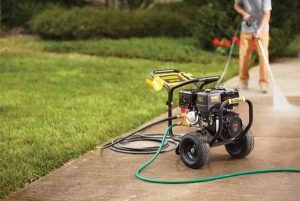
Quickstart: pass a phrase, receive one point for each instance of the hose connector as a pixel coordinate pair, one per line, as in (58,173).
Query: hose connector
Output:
(184,123)
(182,115)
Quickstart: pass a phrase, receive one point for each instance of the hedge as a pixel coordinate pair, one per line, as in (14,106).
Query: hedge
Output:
(89,22)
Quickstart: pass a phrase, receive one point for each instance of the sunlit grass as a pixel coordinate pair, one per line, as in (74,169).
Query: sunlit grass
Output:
(55,107)
(161,48)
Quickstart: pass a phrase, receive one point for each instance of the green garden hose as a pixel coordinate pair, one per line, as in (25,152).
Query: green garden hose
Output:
(140,169)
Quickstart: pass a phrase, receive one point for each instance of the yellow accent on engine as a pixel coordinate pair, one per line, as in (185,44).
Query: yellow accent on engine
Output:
(236,100)
(169,79)
(156,84)
(184,123)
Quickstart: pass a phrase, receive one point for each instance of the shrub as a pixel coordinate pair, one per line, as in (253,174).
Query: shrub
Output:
(16,13)
(189,10)
(284,24)
(89,22)
(279,39)
(211,23)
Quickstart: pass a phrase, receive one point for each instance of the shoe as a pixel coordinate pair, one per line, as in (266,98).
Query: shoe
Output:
(264,89)
(242,86)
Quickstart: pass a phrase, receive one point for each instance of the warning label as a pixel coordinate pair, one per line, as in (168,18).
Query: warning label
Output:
(172,78)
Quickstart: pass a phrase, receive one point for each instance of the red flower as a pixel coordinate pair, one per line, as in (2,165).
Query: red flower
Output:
(227,43)
(216,42)
(236,40)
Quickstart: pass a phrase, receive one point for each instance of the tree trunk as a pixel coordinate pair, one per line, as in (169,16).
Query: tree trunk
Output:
(109,4)
(124,4)
(146,3)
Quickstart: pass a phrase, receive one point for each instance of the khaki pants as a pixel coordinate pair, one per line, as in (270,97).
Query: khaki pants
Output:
(245,57)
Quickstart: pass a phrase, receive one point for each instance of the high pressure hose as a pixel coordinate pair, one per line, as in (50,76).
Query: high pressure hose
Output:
(205,179)
(229,57)
(118,144)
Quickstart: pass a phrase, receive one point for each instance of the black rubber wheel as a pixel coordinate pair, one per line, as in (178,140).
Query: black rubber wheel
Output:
(241,148)
(177,150)
(193,151)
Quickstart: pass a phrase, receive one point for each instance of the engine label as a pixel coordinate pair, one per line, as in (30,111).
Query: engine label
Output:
(200,99)
(172,78)
(236,100)
(215,98)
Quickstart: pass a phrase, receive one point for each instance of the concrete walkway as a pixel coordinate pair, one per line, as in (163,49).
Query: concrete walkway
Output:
(287,75)
(109,175)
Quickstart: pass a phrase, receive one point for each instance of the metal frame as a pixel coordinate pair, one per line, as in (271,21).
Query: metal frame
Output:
(170,90)
(204,81)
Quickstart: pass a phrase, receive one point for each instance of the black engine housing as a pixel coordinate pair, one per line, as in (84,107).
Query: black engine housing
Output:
(206,104)
(233,125)
(205,100)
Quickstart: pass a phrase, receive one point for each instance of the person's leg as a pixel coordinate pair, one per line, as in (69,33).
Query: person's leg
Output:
(263,70)
(245,57)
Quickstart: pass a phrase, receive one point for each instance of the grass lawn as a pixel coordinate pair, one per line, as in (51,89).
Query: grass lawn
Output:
(55,107)
(161,48)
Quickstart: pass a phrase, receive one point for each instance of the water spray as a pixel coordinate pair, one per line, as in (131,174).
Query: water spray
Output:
(280,102)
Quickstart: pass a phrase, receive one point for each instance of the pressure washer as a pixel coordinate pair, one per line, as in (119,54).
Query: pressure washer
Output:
(210,111)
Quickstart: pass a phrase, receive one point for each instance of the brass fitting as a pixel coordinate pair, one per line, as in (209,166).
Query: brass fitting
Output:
(182,115)
(184,123)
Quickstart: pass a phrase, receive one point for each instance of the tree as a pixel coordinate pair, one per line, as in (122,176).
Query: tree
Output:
(110,4)
(124,4)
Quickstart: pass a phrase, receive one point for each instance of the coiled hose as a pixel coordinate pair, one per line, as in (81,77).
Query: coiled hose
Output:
(206,179)
(119,143)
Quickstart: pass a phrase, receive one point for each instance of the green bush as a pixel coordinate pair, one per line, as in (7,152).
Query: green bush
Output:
(189,10)
(284,24)
(89,22)
(211,23)
(16,13)
(279,39)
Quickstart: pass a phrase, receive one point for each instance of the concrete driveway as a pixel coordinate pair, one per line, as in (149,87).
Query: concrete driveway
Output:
(109,175)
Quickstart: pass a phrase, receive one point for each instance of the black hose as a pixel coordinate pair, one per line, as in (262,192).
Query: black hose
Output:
(118,144)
